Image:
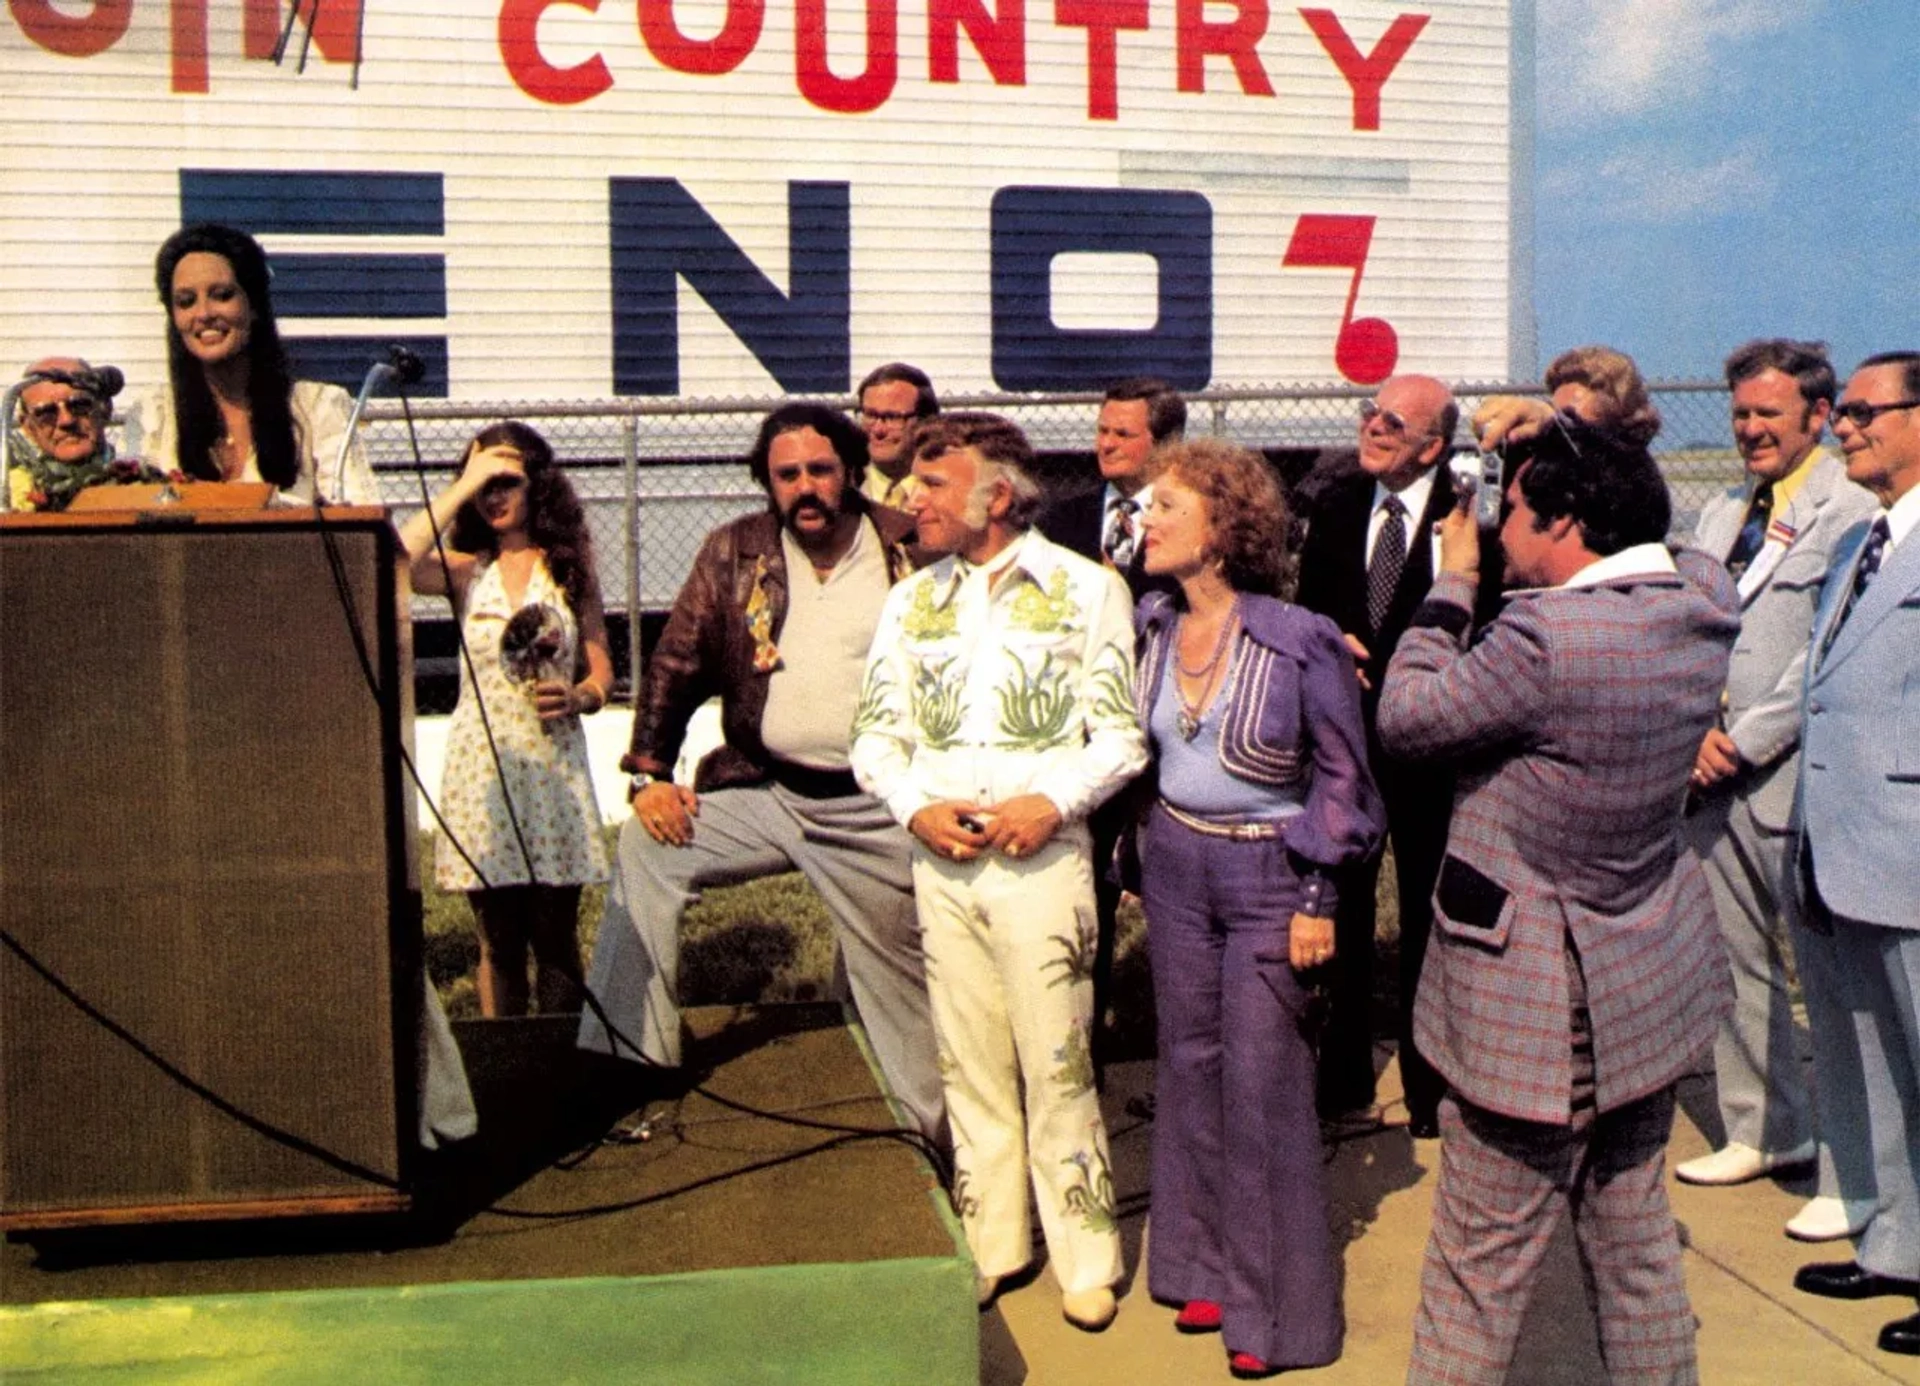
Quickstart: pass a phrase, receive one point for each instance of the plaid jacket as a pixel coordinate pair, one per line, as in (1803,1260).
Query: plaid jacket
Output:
(1573,720)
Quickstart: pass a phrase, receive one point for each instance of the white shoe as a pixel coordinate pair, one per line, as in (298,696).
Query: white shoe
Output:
(1829,1219)
(1735,1163)
(1089,1310)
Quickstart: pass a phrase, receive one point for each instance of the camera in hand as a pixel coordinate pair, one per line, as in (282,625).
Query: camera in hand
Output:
(1479,478)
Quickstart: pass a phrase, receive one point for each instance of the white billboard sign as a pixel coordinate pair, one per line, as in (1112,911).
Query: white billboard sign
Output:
(578,198)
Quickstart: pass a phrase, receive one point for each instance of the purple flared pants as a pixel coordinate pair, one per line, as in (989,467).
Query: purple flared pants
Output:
(1239,1186)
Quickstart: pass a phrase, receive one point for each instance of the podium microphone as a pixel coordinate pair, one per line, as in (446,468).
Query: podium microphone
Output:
(107,381)
(401,367)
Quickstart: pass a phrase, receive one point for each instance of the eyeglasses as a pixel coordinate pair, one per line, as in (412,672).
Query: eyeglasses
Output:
(1370,410)
(1860,414)
(80,407)
(873,418)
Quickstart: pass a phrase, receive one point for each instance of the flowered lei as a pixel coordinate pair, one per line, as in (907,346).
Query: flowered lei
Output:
(36,481)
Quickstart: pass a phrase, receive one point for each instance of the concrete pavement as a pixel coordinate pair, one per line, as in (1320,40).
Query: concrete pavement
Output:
(1754,1327)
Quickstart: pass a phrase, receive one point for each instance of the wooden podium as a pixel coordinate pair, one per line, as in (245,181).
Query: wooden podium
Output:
(205,836)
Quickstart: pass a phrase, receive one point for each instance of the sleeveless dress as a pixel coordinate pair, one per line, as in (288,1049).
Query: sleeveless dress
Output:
(544,763)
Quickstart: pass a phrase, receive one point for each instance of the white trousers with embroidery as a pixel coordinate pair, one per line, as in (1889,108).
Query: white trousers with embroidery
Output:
(1009,951)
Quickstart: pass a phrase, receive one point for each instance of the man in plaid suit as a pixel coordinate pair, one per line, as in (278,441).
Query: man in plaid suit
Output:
(1575,970)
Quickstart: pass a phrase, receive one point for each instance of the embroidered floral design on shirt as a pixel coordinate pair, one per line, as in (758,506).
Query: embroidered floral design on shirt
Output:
(1112,691)
(938,707)
(1049,612)
(925,621)
(1035,708)
(876,695)
(759,611)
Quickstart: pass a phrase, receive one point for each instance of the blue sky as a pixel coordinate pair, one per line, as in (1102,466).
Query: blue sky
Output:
(1714,170)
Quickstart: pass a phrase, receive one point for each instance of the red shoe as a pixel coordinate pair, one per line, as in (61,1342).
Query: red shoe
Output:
(1247,1367)
(1198,1316)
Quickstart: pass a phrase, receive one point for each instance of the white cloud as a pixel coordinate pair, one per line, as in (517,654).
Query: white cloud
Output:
(1659,183)
(1624,57)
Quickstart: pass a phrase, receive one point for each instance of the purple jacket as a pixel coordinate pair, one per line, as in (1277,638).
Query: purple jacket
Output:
(1292,720)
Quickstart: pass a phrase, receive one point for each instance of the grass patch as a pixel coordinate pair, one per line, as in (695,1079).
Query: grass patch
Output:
(772,940)
(766,940)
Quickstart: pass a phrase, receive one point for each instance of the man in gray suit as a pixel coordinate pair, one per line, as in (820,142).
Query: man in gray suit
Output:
(1776,532)
(1574,972)
(1859,818)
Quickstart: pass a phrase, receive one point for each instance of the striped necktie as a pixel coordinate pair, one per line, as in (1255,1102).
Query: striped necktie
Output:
(1863,574)
(1120,531)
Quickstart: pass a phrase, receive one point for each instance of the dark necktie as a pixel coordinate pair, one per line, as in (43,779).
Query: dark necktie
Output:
(1389,557)
(1754,532)
(1863,575)
(1120,532)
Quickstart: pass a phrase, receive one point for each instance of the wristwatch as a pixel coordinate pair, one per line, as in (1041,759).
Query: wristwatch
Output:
(638,782)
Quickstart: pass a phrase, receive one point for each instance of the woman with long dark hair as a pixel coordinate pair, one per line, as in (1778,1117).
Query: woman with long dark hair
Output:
(1252,709)
(231,410)
(523,831)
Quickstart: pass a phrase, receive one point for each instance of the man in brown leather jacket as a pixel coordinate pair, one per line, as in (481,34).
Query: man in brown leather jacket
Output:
(774,620)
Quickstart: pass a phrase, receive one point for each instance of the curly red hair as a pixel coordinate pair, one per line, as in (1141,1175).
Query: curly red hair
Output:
(1246,510)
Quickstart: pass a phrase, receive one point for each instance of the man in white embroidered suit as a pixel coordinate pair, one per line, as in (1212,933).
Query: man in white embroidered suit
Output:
(998,712)
(1776,532)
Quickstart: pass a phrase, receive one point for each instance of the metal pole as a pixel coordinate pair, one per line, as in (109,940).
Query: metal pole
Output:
(8,403)
(630,447)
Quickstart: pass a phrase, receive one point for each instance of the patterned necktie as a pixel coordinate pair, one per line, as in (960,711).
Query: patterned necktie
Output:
(1870,556)
(1120,531)
(1389,557)
(1754,532)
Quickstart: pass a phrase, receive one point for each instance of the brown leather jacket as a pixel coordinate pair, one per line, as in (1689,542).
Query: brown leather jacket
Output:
(722,639)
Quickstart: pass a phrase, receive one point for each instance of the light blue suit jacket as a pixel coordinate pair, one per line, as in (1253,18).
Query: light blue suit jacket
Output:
(1860,739)
(1778,600)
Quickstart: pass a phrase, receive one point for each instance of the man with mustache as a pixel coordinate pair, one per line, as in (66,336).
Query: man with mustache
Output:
(775,619)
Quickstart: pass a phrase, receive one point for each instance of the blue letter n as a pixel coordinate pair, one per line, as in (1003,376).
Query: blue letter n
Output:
(660,232)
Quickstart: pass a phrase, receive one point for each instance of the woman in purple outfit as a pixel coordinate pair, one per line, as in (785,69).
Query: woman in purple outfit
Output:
(1252,707)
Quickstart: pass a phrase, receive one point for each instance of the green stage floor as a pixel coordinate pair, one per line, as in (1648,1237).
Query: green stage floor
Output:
(843,1266)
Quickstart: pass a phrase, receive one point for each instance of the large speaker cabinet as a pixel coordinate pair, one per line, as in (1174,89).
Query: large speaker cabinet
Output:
(205,837)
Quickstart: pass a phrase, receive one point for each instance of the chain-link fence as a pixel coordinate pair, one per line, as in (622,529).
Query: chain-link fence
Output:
(657,476)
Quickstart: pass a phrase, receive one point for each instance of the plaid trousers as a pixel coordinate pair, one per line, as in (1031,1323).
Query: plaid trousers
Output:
(1504,1185)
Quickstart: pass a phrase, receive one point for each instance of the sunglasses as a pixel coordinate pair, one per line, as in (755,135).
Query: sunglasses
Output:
(79,407)
(1860,414)
(1370,410)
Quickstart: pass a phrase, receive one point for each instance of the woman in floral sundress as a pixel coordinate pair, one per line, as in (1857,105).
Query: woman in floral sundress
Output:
(522,830)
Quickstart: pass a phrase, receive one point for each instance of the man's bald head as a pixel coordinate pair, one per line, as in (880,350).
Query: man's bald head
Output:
(1406,428)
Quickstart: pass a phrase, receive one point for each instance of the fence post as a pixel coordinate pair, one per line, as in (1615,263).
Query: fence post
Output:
(1219,418)
(630,456)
